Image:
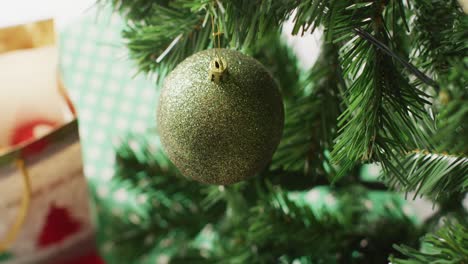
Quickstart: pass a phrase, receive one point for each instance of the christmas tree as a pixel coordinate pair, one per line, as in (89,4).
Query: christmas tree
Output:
(388,92)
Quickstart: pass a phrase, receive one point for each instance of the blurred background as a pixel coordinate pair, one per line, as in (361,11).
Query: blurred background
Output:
(23,11)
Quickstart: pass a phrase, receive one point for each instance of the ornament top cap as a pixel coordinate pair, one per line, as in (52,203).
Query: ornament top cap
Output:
(218,68)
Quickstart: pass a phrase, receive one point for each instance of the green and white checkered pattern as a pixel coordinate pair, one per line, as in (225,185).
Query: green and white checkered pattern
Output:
(111,102)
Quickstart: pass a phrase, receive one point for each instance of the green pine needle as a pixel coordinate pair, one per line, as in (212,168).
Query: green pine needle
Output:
(383,107)
(432,174)
(440,44)
(147,201)
(449,245)
(443,171)
(311,119)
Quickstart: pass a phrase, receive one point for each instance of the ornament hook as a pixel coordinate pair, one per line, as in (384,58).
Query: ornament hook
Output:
(218,67)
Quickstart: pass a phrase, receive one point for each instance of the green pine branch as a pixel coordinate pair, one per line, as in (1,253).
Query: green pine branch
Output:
(151,173)
(158,47)
(451,135)
(432,174)
(383,108)
(147,199)
(150,41)
(442,171)
(439,40)
(180,210)
(282,226)
(311,118)
(279,216)
(274,53)
(134,9)
(446,246)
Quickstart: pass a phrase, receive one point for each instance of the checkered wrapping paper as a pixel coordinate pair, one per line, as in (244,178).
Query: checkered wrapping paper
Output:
(110,100)
(112,103)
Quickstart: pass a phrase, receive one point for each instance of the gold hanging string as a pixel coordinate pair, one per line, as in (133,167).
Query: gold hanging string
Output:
(216,33)
(218,65)
(12,234)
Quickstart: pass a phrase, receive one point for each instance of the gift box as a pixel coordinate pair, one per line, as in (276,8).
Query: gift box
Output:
(44,209)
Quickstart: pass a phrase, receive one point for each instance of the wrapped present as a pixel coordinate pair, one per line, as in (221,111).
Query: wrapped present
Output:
(111,102)
(43,195)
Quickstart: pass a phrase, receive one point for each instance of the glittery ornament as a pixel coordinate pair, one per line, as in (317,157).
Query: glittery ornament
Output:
(220,116)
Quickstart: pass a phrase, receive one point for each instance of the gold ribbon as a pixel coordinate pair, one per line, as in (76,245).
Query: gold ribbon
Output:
(12,234)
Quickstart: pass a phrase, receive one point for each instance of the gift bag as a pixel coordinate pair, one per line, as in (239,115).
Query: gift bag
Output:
(44,214)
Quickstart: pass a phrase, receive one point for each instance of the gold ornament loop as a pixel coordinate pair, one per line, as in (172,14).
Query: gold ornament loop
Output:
(12,234)
(218,67)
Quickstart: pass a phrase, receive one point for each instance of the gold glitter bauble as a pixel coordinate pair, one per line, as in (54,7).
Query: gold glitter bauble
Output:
(220,132)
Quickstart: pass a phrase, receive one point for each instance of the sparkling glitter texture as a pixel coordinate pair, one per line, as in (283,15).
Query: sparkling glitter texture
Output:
(220,133)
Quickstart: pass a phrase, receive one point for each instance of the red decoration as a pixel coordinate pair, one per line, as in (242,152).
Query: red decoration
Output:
(59,225)
(30,131)
(92,258)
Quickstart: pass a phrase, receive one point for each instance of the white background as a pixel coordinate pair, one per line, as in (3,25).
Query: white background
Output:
(22,11)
